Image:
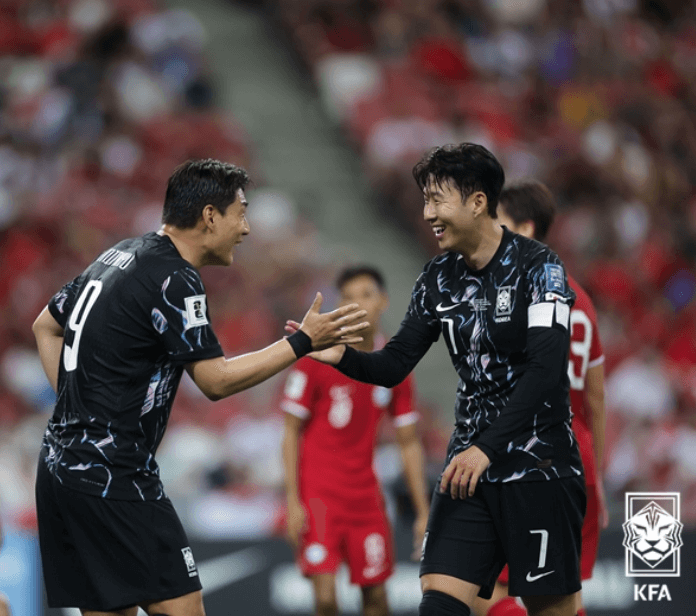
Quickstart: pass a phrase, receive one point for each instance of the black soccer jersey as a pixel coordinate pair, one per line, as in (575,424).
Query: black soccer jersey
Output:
(506,328)
(132,320)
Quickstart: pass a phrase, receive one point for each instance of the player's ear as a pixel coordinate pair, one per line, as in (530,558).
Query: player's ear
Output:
(480,203)
(208,215)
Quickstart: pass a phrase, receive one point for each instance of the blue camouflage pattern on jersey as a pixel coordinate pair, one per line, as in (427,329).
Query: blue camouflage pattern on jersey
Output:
(483,317)
(113,408)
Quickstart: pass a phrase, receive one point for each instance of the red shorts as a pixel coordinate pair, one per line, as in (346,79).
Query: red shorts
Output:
(590,537)
(364,542)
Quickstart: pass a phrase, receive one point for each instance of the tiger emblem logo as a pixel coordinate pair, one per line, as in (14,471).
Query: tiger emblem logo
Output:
(503,302)
(652,535)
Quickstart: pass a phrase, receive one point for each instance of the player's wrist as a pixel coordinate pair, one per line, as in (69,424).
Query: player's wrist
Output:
(301,343)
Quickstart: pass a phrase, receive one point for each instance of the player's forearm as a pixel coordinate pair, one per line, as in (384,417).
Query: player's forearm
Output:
(220,377)
(546,365)
(392,364)
(49,342)
(413,459)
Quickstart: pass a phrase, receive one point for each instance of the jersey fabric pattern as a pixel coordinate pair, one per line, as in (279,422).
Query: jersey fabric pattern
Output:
(585,352)
(132,320)
(340,433)
(484,316)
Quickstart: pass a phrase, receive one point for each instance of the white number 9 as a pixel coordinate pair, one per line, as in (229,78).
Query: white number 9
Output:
(77,322)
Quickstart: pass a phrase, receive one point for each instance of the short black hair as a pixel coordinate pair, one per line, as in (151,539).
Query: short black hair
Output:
(470,166)
(197,183)
(530,200)
(347,274)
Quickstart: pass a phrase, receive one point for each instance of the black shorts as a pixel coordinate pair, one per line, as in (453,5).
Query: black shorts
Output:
(534,526)
(103,554)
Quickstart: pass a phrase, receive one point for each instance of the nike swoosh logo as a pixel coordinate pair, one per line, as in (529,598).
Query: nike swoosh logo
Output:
(441,308)
(534,578)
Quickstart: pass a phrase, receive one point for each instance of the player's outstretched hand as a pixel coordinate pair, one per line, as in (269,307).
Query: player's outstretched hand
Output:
(463,472)
(331,330)
(330,356)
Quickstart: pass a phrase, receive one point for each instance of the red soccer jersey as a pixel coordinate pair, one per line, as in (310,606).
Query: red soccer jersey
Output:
(585,352)
(340,433)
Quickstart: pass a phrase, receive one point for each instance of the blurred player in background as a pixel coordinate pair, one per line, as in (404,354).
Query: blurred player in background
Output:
(335,507)
(528,208)
(114,343)
(512,489)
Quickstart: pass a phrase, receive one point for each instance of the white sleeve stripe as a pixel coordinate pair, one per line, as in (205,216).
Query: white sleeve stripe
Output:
(540,315)
(295,409)
(596,362)
(406,419)
(562,314)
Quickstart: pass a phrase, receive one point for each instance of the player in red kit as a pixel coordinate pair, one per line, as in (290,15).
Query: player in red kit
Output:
(529,209)
(335,506)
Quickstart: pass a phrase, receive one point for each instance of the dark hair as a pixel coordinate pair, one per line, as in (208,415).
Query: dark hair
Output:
(349,273)
(530,200)
(470,166)
(197,183)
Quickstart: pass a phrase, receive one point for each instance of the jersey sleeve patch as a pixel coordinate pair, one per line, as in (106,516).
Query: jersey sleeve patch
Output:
(555,279)
(195,311)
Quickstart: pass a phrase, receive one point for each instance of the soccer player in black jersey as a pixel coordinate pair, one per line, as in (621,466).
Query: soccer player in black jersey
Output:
(114,343)
(512,489)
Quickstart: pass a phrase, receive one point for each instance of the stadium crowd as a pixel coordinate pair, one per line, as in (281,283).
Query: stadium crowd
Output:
(100,99)
(595,99)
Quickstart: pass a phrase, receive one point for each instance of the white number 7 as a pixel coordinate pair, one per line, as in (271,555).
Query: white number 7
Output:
(544,545)
(77,322)
(450,326)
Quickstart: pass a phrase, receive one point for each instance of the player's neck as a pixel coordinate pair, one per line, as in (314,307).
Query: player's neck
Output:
(482,244)
(185,243)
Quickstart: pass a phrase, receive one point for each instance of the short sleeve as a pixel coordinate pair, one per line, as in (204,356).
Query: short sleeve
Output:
(298,392)
(548,295)
(401,407)
(421,307)
(180,318)
(62,302)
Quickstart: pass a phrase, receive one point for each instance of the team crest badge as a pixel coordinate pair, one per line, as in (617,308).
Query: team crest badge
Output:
(652,534)
(503,302)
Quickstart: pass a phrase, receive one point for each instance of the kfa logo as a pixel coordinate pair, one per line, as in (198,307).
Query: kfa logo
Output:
(503,304)
(652,534)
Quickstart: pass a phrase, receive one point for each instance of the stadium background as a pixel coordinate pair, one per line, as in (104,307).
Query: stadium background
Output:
(329,103)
